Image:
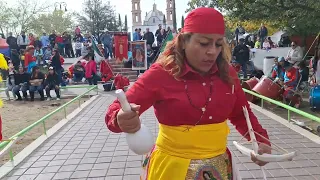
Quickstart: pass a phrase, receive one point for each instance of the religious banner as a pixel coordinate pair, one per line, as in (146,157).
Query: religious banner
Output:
(121,47)
(139,55)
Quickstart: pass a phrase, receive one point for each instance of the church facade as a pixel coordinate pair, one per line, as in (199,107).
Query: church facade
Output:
(152,18)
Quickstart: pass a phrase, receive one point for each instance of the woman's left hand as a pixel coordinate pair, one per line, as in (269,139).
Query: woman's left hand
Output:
(263,149)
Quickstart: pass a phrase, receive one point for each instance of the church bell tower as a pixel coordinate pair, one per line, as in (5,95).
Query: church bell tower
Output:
(169,14)
(136,13)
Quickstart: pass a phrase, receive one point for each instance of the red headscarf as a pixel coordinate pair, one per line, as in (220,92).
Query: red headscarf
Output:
(204,21)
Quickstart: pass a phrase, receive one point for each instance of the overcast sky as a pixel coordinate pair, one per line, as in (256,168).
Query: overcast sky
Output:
(124,7)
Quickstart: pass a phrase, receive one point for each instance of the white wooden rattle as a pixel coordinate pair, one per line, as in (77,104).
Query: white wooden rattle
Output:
(140,142)
(288,156)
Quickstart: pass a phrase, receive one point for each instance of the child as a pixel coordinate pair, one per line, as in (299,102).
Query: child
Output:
(47,55)
(38,54)
(78,47)
(150,55)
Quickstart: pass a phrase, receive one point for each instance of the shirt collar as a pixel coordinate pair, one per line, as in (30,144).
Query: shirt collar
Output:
(188,69)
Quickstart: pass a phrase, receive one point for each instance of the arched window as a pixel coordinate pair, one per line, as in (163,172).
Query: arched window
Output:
(154,20)
(136,6)
(137,19)
(170,15)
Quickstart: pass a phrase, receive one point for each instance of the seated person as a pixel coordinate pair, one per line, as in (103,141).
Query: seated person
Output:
(78,72)
(278,70)
(21,81)
(291,79)
(10,82)
(304,72)
(47,55)
(36,83)
(52,83)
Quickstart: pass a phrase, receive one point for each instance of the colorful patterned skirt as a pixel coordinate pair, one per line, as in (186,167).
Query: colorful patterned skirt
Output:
(199,153)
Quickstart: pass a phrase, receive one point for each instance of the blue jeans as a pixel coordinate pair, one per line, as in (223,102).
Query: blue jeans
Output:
(24,88)
(107,51)
(59,73)
(77,76)
(36,88)
(244,69)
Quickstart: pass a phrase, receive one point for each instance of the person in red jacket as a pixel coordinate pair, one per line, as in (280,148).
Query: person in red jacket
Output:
(193,90)
(60,44)
(91,69)
(29,59)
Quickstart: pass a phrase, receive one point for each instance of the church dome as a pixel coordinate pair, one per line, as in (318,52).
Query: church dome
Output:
(155,13)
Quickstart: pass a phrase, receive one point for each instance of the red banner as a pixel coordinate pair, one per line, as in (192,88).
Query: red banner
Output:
(121,47)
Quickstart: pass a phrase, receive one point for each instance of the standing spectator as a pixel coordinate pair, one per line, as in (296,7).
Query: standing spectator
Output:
(32,39)
(77,31)
(60,44)
(52,39)
(22,40)
(158,30)
(78,47)
(12,42)
(29,59)
(38,54)
(44,41)
(149,37)
(263,33)
(56,63)
(85,49)
(38,43)
(239,31)
(21,81)
(295,54)
(241,54)
(47,55)
(36,83)
(68,45)
(160,37)
(106,40)
(136,35)
(52,83)
(139,34)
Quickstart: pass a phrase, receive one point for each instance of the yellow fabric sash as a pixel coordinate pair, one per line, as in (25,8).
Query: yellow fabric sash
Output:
(176,146)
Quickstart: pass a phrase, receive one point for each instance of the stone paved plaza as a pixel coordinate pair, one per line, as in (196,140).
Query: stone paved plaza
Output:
(86,149)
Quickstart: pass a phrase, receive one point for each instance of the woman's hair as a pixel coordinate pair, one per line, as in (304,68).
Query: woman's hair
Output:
(173,58)
(34,71)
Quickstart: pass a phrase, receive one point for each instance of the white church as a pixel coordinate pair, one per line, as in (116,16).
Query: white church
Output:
(153,18)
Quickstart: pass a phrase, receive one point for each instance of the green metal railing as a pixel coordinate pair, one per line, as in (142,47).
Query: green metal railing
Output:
(46,117)
(289,108)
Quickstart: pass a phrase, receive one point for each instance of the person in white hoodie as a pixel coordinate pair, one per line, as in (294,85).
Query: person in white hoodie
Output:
(22,40)
(295,54)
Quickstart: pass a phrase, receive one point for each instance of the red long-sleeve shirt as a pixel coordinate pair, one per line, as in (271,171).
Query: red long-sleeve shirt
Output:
(157,88)
(28,58)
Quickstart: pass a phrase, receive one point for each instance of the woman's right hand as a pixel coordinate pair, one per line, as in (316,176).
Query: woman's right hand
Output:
(129,122)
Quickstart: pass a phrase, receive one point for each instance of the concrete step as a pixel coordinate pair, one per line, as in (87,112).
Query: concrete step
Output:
(117,69)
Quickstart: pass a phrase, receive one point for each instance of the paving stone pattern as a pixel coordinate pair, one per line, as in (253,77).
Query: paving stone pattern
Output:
(86,149)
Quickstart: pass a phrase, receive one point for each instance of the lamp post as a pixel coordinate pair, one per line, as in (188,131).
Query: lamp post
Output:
(60,4)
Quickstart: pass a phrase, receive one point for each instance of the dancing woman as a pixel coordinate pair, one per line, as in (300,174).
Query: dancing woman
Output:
(194,90)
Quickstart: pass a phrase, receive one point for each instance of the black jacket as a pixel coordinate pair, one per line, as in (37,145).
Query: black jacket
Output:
(21,78)
(242,53)
(40,76)
(149,37)
(52,79)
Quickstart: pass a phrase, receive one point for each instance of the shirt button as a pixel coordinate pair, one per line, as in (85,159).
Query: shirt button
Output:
(210,117)
(203,84)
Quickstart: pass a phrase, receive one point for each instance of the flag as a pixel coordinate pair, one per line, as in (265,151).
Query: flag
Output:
(169,37)
(98,56)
